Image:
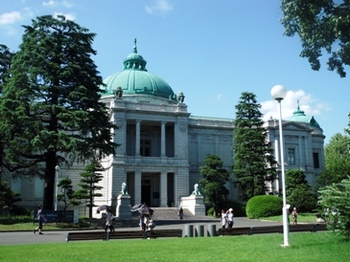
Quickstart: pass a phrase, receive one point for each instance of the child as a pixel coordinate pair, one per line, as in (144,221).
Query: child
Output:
(295,216)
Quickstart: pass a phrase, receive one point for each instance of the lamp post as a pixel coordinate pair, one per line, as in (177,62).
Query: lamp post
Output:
(57,169)
(278,92)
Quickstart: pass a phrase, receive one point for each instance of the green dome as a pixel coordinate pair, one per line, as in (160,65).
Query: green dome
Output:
(135,80)
(299,116)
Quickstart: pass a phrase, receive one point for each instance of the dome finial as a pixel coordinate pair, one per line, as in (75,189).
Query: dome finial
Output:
(298,105)
(135,48)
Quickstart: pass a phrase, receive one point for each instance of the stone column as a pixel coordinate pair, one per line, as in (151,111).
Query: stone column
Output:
(137,188)
(162,140)
(138,135)
(164,189)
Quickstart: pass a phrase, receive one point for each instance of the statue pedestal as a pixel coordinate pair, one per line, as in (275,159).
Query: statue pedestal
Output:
(194,203)
(123,210)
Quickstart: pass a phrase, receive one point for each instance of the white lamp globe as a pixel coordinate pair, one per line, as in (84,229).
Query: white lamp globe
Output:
(278,92)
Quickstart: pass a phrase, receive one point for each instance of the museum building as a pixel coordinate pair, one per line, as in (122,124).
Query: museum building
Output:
(162,146)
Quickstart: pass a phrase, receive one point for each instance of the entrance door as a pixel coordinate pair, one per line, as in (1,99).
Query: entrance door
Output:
(146,192)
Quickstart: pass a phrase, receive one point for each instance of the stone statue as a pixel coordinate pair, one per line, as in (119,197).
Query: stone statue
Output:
(196,190)
(124,191)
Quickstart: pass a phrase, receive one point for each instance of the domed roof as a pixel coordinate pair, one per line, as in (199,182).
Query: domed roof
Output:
(135,80)
(299,116)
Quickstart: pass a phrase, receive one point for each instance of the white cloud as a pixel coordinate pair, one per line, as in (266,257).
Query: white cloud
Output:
(67,4)
(69,16)
(50,3)
(10,18)
(159,6)
(310,105)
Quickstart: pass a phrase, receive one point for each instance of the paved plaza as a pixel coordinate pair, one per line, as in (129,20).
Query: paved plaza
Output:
(27,237)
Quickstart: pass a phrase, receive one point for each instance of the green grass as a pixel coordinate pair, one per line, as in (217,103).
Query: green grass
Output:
(24,223)
(321,246)
(302,218)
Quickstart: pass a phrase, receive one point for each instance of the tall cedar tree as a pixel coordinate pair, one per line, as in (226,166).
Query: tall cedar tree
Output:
(254,164)
(5,63)
(323,28)
(50,109)
(89,185)
(213,183)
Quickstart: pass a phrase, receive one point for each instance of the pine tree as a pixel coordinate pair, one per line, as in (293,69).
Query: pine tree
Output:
(299,192)
(66,193)
(8,198)
(89,185)
(253,161)
(50,109)
(213,183)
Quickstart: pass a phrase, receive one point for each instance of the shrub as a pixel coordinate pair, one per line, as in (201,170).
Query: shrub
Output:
(264,206)
(238,209)
(334,200)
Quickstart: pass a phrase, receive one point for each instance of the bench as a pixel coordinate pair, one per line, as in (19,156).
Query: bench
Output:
(148,234)
(266,230)
(127,234)
(320,227)
(86,235)
(164,233)
(234,231)
(302,228)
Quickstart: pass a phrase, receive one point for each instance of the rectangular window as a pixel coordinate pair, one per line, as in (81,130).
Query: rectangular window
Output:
(145,149)
(291,156)
(316,160)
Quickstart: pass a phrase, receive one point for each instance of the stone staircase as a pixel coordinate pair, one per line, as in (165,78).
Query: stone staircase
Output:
(167,213)
(171,213)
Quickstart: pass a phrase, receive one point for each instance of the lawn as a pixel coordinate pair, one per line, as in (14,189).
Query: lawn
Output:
(320,246)
(24,223)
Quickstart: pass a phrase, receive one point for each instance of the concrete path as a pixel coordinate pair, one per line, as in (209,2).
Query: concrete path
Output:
(18,238)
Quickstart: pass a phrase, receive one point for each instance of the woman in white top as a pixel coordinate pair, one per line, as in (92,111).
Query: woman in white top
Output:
(223,218)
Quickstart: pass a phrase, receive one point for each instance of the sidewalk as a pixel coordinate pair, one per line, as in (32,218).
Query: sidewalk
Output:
(18,238)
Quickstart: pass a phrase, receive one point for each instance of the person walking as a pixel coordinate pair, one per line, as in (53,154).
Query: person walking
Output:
(109,221)
(223,218)
(181,213)
(40,219)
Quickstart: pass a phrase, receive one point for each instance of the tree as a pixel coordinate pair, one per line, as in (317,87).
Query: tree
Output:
(5,63)
(334,201)
(299,192)
(337,158)
(323,27)
(253,163)
(51,109)
(213,182)
(8,198)
(89,185)
(66,194)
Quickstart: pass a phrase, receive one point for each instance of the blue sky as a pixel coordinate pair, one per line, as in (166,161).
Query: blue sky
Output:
(210,50)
